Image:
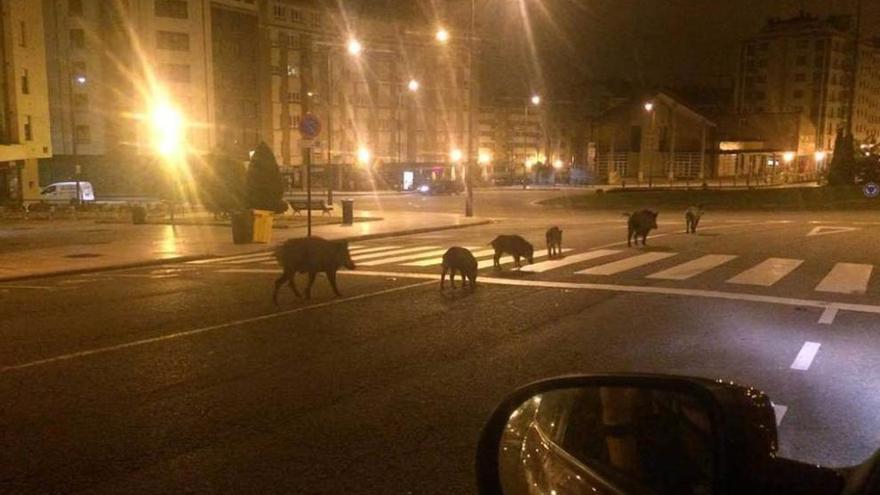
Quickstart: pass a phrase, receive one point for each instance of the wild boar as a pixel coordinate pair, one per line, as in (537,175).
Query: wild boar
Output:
(640,223)
(311,255)
(513,245)
(692,218)
(554,242)
(459,259)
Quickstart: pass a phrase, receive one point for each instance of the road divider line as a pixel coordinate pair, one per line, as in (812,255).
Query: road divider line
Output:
(828,315)
(806,355)
(197,331)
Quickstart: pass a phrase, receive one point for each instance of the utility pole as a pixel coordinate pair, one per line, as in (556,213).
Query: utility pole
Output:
(855,71)
(469,183)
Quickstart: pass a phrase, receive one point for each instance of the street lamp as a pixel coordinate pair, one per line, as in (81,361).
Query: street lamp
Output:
(167,129)
(788,156)
(456,155)
(354,47)
(364,156)
(820,156)
(413,85)
(649,106)
(536,100)
(442,35)
(484,158)
(81,81)
(557,164)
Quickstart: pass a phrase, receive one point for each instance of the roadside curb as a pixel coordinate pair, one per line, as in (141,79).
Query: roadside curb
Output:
(107,268)
(184,259)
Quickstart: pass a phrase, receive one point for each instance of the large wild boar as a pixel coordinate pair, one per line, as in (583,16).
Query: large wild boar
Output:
(640,223)
(513,245)
(311,255)
(553,236)
(459,259)
(692,218)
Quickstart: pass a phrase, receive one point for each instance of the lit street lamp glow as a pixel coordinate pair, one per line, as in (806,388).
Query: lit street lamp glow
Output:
(536,100)
(442,35)
(649,106)
(820,156)
(363,156)
(557,164)
(788,156)
(167,129)
(456,155)
(354,47)
(413,85)
(484,158)
(80,79)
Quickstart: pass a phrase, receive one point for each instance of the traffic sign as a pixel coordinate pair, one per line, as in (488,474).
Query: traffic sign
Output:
(871,190)
(310,126)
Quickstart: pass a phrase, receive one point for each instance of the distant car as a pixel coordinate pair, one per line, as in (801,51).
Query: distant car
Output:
(443,186)
(66,192)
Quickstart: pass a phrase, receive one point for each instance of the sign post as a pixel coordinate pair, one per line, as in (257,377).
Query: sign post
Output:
(309,129)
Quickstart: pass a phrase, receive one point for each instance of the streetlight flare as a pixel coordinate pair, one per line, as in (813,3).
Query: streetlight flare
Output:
(363,156)
(456,155)
(413,85)
(355,47)
(820,156)
(536,100)
(788,156)
(557,164)
(167,129)
(649,106)
(442,35)
(484,158)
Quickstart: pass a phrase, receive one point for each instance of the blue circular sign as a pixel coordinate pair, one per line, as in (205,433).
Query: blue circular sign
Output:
(871,190)
(309,126)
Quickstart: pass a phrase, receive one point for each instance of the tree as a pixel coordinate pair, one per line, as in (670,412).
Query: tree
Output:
(221,183)
(842,168)
(265,186)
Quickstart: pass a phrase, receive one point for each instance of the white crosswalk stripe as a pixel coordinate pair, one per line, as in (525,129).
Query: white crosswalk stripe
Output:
(626,264)
(253,259)
(568,260)
(767,273)
(693,268)
(846,278)
(227,258)
(406,257)
(505,260)
(439,260)
(365,250)
(371,256)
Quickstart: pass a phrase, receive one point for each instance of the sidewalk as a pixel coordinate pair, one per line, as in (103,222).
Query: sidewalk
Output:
(41,248)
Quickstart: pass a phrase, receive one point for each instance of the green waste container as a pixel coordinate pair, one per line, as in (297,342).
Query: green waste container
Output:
(242,227)
(347,212)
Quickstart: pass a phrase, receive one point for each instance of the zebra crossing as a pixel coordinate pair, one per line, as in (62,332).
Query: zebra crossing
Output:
(841,278)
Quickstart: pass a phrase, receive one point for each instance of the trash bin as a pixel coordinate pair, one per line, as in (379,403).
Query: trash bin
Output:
(263,226)
(138,215)
(242,227)
(347,212)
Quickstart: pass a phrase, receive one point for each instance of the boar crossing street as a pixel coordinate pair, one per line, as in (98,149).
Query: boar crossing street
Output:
(311,255)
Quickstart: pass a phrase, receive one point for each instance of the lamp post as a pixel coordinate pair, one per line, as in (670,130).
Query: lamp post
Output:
(649,108)
(412,87)
(535,100)
(80,80)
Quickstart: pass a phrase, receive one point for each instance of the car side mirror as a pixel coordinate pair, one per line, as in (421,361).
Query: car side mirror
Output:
(632,434)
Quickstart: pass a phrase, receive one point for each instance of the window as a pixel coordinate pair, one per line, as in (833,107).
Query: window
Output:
(293,97)
(295,15)
(28,129)
(22,41)
(168,40)
(83,134)
(25,83)
(77,38)
(175,9)
(175,72)
(74,8)
(279,11)
(315,19)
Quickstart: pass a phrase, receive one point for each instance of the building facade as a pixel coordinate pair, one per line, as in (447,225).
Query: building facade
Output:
(806,65)
(24,128)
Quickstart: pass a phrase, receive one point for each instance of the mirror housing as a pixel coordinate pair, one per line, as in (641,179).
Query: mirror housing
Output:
(743,437)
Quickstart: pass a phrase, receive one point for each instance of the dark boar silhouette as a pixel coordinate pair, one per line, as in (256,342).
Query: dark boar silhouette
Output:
(640,223)
(311,255)
(554,242)
(692,218)
(459,259)
(513,245)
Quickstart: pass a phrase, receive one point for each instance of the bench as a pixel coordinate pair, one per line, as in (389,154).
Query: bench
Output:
(316,204)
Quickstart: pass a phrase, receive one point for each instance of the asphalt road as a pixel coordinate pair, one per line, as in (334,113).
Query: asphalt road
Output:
(186,379)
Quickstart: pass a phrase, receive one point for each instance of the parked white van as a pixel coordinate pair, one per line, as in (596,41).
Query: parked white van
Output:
(64,192)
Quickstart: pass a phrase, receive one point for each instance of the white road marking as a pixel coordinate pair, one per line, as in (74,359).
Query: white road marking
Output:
(828,316)
(693,268)
(633,289)
(767,272)
(261,254)
(28,287)
(827,229)
(568,260)
(846,278)
(779,410)
(371,256)
(506,260)
(626,264)
(406,257)
(197,331)
(439,260)
(366,250)
(805,357)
